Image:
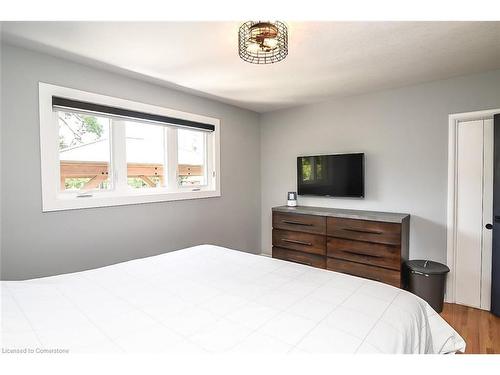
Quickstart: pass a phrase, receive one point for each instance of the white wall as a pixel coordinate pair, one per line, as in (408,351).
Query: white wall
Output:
(40,244)
(404,134)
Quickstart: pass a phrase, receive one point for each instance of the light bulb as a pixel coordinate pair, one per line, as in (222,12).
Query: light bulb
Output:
(253,48)
(271,43)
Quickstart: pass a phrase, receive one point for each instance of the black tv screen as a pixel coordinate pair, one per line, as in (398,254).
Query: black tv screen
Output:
(339,175)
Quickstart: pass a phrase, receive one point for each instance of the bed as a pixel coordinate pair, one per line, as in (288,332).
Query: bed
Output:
(209,299)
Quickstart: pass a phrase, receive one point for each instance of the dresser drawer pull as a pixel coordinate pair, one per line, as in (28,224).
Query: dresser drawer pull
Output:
(361,254)
(300,261)
(297,242)
(364,276)
(362,231)
(374,279)
(297,223)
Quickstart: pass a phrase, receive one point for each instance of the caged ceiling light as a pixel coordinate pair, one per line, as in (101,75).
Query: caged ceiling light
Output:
(263,42)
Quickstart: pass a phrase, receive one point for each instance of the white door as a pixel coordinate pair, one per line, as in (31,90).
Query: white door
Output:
(474,208)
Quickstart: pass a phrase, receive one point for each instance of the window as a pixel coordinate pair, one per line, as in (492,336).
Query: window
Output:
(146,155)
(84,152)
(102,151)
(191,157)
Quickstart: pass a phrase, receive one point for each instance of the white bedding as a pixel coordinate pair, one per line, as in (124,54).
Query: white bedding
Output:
(211,299)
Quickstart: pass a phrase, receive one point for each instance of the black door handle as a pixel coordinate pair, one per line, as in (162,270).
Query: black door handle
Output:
(488,226)
(497,219)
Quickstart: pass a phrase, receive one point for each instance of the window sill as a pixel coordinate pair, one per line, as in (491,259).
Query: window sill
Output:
(68,201)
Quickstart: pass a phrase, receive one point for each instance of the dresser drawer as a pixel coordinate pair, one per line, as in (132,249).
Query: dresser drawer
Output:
(306,242)
(365,252)
(362,270)
(363,230)
(312,260)
(298,222)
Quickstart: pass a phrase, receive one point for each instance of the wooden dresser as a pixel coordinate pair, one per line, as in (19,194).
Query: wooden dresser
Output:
(362,243)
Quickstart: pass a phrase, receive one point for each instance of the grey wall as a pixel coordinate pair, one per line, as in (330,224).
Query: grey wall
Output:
(39,244)
(404,134)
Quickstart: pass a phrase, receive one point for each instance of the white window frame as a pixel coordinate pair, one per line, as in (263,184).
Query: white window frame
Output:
(55,200)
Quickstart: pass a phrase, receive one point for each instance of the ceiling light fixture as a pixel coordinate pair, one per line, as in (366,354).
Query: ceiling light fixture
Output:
(263,42)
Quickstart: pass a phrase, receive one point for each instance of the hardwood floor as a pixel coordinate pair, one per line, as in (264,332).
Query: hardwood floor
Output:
(480,329)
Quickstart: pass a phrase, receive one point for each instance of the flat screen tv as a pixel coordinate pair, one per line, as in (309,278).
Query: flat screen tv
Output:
(338,175)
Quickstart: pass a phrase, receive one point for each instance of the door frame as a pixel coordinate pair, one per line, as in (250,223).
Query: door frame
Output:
(453,121)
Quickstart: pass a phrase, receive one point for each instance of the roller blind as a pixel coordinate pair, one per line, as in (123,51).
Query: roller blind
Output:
(76,105)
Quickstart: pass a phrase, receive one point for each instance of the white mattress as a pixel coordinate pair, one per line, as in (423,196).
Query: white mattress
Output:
(210,299)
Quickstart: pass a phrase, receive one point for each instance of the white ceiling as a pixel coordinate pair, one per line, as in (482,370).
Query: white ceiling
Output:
(326,59)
